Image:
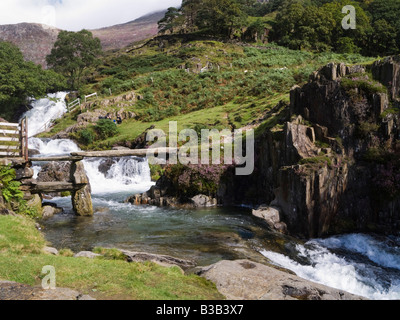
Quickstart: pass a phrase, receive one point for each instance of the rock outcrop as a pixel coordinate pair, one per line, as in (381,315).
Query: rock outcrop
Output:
(248,280)
(319,168)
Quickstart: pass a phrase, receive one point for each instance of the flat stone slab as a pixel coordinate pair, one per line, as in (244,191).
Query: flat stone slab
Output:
(87,254)
(248,280)
(162,260)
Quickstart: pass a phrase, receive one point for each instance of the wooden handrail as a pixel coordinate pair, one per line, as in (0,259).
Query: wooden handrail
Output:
(74,104)
(24,138)
(91,95)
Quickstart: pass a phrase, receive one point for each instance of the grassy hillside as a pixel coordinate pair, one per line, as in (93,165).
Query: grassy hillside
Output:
(200,83)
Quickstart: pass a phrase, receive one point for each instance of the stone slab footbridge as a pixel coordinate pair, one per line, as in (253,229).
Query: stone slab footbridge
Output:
(14,152)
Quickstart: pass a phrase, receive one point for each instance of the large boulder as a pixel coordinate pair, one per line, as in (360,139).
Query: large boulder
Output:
(248,280)
(272,215)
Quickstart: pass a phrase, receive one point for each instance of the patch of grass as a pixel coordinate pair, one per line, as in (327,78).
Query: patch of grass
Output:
(66,253)
(21,260)
(110,254)
(319,161)
(18,235)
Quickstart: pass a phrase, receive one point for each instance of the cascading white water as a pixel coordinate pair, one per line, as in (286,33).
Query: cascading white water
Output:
(123,175)
(357,263)
(49,147)
(45,110)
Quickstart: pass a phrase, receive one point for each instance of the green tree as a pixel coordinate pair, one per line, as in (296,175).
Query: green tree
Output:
(358,35)
(73,54)
(172,19)
(382,40)
(190,9)
(221,16)
(388,10)
(20,79)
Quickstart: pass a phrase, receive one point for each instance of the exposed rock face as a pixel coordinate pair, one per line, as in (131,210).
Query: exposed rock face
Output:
(387,71)
(314,168)
(159,195)
(55,171)
(320,168)
(49,211)
(74,173)
(17,291)
(87,254)
(315,199)
(163,260)
(248,280)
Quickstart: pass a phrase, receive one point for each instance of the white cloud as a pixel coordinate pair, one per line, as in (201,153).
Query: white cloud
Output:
(75,15)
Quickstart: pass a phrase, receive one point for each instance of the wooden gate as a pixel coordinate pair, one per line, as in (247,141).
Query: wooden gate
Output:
(14,139)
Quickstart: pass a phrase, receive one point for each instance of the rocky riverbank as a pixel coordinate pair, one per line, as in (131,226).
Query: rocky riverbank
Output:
(234,279)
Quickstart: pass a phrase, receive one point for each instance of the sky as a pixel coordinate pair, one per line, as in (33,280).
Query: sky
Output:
(75,15)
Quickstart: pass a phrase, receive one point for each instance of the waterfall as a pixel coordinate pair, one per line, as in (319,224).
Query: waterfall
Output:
(49,147)
(44,110)
(105,175)
(122,175)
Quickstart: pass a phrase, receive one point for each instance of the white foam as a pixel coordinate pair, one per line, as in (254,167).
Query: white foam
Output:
(45,110)
(124,175)
(54,147)
(366,245)
(325,267)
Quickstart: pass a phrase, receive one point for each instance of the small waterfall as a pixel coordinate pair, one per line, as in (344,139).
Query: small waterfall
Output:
(45,110)
(105,175)
(121,175)
(49,147)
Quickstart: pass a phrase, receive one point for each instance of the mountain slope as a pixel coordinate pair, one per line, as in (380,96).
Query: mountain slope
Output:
(122,35)
(34,40)
(37,40)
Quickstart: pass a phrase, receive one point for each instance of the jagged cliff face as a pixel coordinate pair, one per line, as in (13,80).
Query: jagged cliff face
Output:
(328,169)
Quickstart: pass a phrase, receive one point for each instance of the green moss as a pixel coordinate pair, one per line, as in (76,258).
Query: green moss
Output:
(320,160)
(363,82)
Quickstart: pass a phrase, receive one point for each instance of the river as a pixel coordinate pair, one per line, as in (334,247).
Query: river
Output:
(366,265)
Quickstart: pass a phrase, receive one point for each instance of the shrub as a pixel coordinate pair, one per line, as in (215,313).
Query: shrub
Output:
(11,193)
(87,136)
(10,187)
(190,180)
(106,128)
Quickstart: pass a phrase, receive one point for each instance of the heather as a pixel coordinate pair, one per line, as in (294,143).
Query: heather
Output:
(190,180)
